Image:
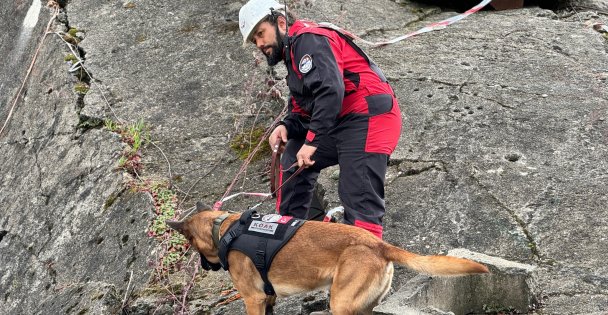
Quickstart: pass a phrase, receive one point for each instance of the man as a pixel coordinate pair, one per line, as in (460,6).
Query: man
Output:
(341,111)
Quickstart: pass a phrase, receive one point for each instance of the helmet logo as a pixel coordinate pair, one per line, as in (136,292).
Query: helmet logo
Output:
(242,24)
(305,63)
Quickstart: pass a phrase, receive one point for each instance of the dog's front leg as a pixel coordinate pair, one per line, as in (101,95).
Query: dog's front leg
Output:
(247,280)
(255,305)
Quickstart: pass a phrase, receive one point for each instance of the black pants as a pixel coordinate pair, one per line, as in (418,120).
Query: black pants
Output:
(361,183)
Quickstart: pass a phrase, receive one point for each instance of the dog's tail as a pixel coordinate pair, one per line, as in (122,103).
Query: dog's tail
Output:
(433,265)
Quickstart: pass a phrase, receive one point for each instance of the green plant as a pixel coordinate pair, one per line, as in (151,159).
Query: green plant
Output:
(165,208)
(165,204)
(173,244)
(81,88)
(110,125)
(73,31)
(72,40)
(72,37)
(71,58)
(135,136)
(244,143)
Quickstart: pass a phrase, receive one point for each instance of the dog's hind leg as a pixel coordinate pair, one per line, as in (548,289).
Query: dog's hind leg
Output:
(361,280)
(385,286)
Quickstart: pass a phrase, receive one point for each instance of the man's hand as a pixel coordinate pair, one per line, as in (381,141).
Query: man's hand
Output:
(278,138)
(304,156)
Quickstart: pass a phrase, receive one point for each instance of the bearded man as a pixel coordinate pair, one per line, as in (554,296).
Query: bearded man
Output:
(342,111)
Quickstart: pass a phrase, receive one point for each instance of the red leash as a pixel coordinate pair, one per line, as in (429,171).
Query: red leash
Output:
(275,169)
(275,180)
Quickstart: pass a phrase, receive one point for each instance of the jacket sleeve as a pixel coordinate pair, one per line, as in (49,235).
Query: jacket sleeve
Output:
(322,76)
(296,127)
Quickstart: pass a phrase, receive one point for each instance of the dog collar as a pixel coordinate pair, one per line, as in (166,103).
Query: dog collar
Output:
(207,265)
(215,232)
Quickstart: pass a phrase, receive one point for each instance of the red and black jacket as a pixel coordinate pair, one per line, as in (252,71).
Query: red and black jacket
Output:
(328,78)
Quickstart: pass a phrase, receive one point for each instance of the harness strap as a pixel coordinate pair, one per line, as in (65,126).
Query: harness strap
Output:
(260,264)
(234,231)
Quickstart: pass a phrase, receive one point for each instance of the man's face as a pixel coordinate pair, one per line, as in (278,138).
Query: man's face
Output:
(265,39)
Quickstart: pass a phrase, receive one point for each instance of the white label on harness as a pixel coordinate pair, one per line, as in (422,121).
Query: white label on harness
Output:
(271,218)
(263,227)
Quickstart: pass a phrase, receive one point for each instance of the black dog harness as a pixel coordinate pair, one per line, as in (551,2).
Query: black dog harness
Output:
(259,237)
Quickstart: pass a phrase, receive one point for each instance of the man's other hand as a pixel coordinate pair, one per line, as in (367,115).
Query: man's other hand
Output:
(305,154)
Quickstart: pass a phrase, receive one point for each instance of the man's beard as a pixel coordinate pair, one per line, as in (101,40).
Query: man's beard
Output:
(276,55)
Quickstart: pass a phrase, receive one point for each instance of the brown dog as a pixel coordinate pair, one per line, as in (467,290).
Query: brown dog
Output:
(354,264)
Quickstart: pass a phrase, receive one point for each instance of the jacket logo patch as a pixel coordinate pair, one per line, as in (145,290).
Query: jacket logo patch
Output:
(305,64)
(263,227)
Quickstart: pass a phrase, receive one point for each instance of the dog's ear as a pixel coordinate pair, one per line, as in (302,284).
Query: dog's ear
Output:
(176,225)
(201,206)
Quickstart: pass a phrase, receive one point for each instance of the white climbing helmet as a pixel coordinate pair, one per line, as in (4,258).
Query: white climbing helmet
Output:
(253,12)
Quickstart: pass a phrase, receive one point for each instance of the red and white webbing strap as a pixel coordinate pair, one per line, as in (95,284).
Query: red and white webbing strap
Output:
(429,28)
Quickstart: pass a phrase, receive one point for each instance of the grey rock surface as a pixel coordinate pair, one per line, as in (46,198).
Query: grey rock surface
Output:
(496,115)
(60,234)
(503,150)
(508,288)
(594,5)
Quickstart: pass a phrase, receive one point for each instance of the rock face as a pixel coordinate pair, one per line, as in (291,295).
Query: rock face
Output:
(508,288)
(593,5)
(503,149)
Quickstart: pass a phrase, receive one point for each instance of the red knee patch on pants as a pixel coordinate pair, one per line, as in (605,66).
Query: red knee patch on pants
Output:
(374,228)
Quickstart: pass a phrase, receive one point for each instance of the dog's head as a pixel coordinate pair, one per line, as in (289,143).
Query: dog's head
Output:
(197,229)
